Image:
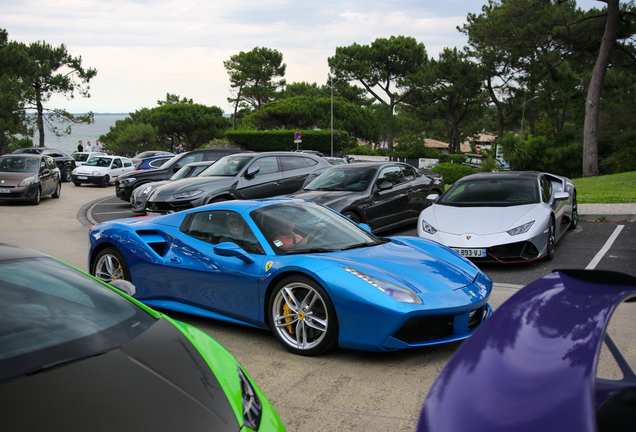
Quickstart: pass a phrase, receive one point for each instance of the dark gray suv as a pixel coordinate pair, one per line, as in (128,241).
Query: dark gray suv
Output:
(239,176)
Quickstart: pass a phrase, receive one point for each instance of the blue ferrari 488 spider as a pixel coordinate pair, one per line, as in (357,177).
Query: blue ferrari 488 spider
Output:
(313,276)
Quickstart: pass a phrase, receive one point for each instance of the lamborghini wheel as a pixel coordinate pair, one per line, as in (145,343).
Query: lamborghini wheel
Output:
(303,317)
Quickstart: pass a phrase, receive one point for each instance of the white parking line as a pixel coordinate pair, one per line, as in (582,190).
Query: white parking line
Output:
(608,244)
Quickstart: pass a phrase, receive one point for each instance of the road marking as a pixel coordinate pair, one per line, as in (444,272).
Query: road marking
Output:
(608,244)
(120,212)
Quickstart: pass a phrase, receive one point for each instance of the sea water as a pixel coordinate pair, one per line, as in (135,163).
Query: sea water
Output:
(85,132)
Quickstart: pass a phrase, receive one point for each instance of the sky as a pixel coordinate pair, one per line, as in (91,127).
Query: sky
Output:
(144,49)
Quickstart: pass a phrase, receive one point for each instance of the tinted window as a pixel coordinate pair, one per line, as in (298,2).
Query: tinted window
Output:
(392,175)
(222,226)
(292,163)
(267,165)
(127,162)
(491,193)
(310,162)
(546,189)
(408,173)
(117,163)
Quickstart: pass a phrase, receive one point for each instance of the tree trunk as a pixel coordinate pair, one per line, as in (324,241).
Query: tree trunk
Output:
(592,104)
(40,116)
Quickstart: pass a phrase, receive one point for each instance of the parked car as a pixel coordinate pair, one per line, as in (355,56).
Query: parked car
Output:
(475,160)
(138,159)
(77,354)
(29,177)
(152,162)
(535,363)
(311,275)
(102,170)
(140,195)
(239,176)
(80,158)
(513,216)
(336,160)
(127,183)
(64,162)
(383,195)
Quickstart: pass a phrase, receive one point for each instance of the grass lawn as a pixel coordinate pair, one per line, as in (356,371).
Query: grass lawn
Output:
(608,189)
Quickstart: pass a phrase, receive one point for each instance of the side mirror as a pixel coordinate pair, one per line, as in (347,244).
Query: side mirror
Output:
(385,186)
(229,249)
(365,227)
(124,286)
(176,168)
(252,171)
(560,196)
(432,197)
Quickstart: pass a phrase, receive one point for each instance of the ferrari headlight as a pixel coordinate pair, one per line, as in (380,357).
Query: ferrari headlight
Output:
(188,194)
(520,229)
(397,292)
(27,181)
(145,190)
(252,408)
(428,228)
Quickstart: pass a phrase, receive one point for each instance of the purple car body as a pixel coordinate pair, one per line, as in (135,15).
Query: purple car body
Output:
(532,365)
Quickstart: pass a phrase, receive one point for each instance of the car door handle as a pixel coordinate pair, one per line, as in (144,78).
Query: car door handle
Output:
(175,260)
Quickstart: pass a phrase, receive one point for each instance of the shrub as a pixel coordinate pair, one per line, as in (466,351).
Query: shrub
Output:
(451,172)
(451,158)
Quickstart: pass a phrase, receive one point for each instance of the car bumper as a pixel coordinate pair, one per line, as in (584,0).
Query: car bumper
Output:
(500,247)
(25,193)
(123,193)
(87,179)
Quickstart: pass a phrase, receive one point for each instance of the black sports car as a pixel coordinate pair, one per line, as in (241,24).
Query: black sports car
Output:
(64,162)
(383,195)
(78,355)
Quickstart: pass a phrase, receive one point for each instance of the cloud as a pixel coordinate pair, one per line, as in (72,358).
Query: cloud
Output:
(143,49)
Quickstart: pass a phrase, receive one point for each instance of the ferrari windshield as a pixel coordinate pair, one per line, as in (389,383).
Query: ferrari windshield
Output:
(227,166)
(304,227)
(500,192)
(343,179)
(52,314)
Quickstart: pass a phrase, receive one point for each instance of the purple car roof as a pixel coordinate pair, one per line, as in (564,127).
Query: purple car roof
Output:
(532,365)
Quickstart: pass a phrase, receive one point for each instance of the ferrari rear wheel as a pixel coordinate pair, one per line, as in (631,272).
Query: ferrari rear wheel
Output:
(303,317)
(110,265)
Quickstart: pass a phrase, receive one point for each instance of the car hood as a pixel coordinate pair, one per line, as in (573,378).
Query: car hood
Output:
(481,220)
(336,200)
(10,179)
(88,170)
(207,184)
(403,260)
(158,381)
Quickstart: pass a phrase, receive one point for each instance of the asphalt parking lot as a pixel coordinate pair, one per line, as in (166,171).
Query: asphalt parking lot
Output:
(342,389)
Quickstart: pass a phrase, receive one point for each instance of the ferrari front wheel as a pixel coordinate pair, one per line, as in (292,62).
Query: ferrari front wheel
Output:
(303,317)
(110,265)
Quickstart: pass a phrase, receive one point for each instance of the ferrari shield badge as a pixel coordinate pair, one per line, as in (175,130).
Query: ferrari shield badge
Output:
(268,265)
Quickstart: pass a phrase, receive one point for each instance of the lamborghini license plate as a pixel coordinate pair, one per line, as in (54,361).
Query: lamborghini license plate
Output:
(471,253)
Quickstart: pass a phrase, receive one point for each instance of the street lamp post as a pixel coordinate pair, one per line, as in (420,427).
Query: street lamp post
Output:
(523,108)
(332,84)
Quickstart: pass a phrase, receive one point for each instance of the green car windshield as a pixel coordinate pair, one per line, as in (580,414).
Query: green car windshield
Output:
(51,314)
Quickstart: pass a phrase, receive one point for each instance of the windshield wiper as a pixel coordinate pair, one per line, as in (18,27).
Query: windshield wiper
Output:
(311,250)
(360,245)
(70,360)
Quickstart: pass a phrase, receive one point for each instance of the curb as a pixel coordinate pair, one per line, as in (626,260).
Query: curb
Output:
(607,217)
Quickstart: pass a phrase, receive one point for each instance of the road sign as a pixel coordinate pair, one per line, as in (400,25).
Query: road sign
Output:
(298,136)
(478,148)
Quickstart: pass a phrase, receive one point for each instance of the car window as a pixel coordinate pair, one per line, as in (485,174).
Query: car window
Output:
(546,189)
(391,174)
(127,162)
(267,165)
(50,162)
(291,163)
(310,162)
(408,173)
(220,226)
(117,163)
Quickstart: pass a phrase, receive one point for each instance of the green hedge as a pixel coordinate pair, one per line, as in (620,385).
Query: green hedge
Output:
(283,140)
(451,172)
(451,158)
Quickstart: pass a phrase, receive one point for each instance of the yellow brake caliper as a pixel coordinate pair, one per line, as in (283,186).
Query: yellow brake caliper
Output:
(287,311)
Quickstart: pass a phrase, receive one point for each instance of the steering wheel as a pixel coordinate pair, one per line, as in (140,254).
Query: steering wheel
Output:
(519,196)
(318,233)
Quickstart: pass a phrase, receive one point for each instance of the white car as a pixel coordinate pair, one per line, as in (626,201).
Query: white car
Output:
(82,157)
(102,170)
